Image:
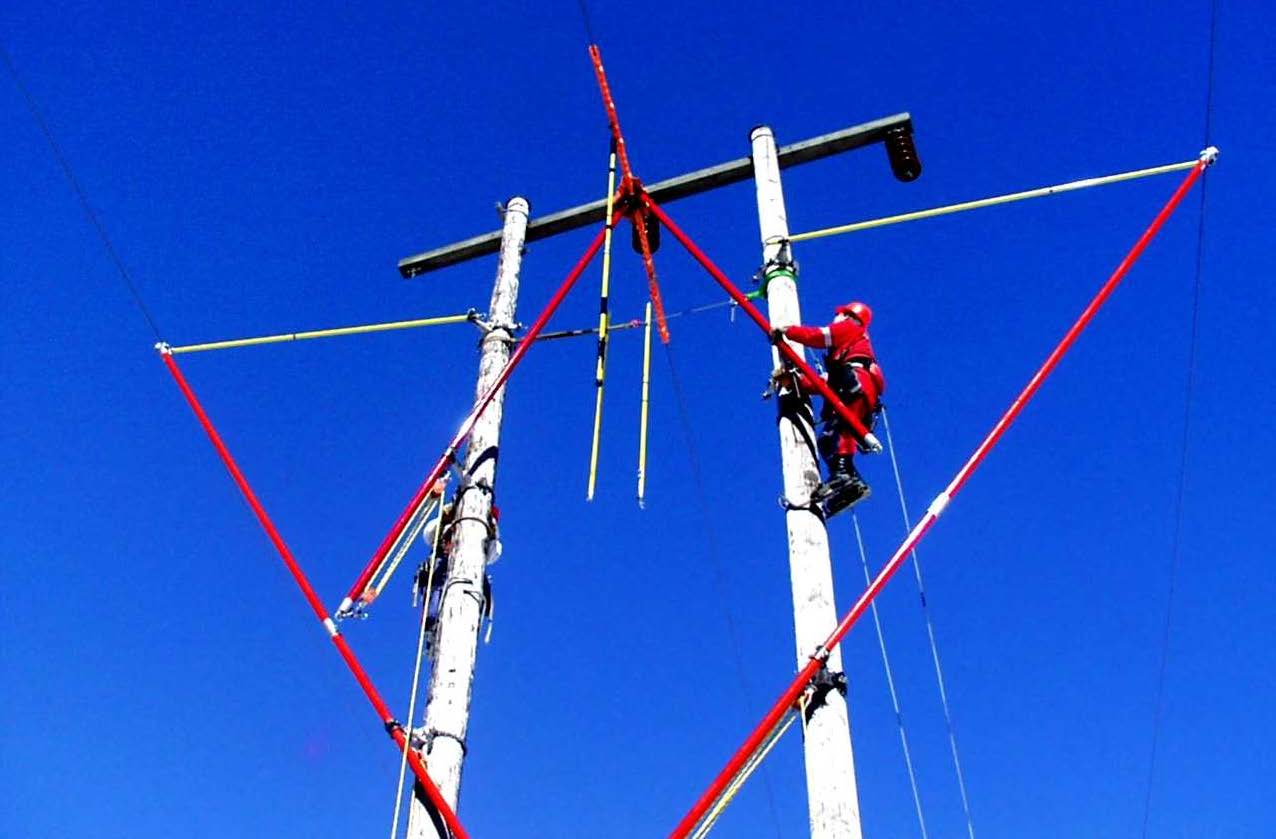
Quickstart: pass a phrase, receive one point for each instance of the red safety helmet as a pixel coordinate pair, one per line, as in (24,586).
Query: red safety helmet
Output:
(860,311)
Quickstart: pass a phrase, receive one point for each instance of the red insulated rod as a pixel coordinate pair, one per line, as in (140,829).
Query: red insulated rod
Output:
(449,454)
(816,663)
(786,350)
(307,590)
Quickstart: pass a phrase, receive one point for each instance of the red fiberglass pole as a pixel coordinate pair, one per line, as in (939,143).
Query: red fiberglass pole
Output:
(392,726)
(449,454)
(785,349)
(799,684)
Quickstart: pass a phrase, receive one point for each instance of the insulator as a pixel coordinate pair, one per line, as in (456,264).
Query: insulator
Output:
(653,233)
(902,154)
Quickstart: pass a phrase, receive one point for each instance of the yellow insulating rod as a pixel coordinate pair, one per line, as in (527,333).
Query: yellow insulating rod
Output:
(642,421)
(994,201)
(323,333)
(419,520)
(604,320)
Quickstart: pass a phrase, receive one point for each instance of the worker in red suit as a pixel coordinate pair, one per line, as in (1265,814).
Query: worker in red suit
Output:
(856,378)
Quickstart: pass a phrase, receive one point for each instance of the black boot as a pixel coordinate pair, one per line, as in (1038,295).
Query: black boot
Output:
(847,489)
(841,475)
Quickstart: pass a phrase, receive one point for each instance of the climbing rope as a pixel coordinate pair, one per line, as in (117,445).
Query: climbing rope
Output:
(711,543)
(890,682)
(948,209)
(416,672)
(930,629)
(1189,391)
(326,333)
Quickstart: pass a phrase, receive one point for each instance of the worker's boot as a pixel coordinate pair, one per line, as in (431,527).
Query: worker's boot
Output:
(841,475)
(847,488)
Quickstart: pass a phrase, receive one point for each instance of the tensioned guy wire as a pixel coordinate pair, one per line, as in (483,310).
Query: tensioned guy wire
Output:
(1189,390)
(930,631)
(83,197)
(890,681)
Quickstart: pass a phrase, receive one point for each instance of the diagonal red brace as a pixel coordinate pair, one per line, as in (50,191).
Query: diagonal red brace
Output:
(818,659)
(450,453)
(757,317)
(392,726)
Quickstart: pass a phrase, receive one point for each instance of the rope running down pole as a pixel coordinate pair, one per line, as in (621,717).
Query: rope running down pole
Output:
(450,453)
(992,202)
(323,333)
(930,631)
(416,669)
(820,656)
(890,681)
(604,320)
(392,726)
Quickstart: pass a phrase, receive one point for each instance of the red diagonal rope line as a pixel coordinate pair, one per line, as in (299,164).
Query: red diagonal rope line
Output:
(919,530)
(794,357)
(628,187)
(316,605)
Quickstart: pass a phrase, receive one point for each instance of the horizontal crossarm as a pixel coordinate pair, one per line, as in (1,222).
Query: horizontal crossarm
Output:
(683,186)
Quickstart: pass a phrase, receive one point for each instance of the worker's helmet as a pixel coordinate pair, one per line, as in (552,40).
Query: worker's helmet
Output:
(860,311)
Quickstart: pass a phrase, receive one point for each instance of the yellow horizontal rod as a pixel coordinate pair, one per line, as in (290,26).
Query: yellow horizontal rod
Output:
(994,201)
(321,333)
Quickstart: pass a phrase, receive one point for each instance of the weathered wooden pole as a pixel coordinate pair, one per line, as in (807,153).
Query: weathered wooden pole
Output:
(462,604)
(833,802)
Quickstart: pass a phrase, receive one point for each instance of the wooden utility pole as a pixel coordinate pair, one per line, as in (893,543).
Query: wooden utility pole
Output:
(462,604)
(833,802)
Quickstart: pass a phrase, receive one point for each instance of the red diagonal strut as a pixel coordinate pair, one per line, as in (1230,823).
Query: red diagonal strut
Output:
(757,317)
(450,453)
(392,726)
(820,656)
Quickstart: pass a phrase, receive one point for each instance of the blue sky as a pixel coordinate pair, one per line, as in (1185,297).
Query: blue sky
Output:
(262,169)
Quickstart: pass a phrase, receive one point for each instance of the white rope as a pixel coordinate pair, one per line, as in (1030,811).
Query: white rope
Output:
(890,682)
(416,675)
(930,632)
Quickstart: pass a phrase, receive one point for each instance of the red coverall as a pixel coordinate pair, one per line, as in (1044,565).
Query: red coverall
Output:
(854,375)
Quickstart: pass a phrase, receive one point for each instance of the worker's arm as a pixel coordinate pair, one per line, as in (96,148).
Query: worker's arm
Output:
(837,334)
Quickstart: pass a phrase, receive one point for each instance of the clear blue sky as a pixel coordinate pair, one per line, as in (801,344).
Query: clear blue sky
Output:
(262,169)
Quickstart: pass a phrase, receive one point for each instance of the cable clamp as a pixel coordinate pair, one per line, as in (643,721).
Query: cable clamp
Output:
(810,506)
(937,507)
(429,735)
(1209,155)
(824,683)
(163,348)
(392,725)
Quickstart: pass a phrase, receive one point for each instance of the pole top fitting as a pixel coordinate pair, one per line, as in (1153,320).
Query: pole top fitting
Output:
(163,348)
(760,131)
(1209,155)
(517,204)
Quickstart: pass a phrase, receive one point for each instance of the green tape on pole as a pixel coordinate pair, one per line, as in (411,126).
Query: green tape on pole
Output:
(772,274)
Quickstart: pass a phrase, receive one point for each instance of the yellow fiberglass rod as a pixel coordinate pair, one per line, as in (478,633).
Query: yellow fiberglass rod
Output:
(600,368)
(322,333)
(994,201)
(642,421)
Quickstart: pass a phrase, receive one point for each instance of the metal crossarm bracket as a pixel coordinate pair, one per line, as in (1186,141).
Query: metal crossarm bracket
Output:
(665,191)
